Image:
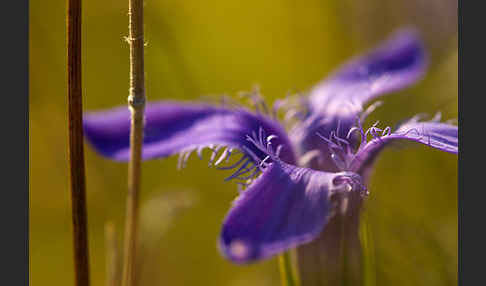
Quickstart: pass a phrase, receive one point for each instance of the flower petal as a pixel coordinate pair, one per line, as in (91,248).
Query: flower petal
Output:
(338,101)
(397,63)
(172,127)
(284,207)
(441,136)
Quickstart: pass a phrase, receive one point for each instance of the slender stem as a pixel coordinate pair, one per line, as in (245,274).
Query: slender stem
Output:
(287,275)
(369,275)
(136,103)
(75,148)
(112,265)
(334,257)
(344,253)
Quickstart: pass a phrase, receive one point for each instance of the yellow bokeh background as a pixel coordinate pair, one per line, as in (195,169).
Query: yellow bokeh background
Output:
(205,48)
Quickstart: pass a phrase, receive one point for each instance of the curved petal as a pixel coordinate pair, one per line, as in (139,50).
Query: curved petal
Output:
(173,127)
(286,206)
(339,100)
(438,135)
(397,63)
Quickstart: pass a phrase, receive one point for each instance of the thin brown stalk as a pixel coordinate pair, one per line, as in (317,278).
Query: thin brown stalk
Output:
(136,103)
(75,148)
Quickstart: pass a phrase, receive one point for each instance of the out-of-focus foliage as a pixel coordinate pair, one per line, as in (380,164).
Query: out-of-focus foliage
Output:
(198,48)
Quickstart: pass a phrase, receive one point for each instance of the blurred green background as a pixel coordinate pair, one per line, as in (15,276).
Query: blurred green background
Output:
(198,48)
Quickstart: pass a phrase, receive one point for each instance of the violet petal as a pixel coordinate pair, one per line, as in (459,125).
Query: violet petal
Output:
(438,135)
(338,100)
(173,127)
(284,207)
(395,64)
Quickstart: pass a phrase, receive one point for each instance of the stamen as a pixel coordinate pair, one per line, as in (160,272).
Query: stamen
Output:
(269,138)
(342,141)
(251,154)
(386,131)
(260,136)
(374,132)
(269,143)
(341,149)
(259,146)
(332,144)
(351,130)
(333,135)
(262,163)
(337,128)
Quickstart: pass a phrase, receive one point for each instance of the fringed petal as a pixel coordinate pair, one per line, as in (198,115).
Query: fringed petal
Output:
(173,127)
(284,207)
(438,135)
(339,100)
(397,63)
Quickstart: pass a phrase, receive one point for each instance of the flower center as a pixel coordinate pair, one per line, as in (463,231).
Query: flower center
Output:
(341,149)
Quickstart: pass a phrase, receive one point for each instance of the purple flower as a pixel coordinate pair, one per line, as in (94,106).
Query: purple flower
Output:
(289,176)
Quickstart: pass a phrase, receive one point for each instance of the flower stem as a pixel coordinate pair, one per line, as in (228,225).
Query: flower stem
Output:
(112,259)
(287,275)
(136,103)
(334,257)
(75,148)
(369,274)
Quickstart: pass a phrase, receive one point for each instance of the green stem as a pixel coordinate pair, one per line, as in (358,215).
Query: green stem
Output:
(334,257)
(369,273)
(136,104)
(287,275)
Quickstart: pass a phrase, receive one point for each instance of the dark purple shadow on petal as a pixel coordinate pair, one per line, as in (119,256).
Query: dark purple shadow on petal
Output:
(286,206)
(395,64)
(339,100)
(441,136)
(172,127)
